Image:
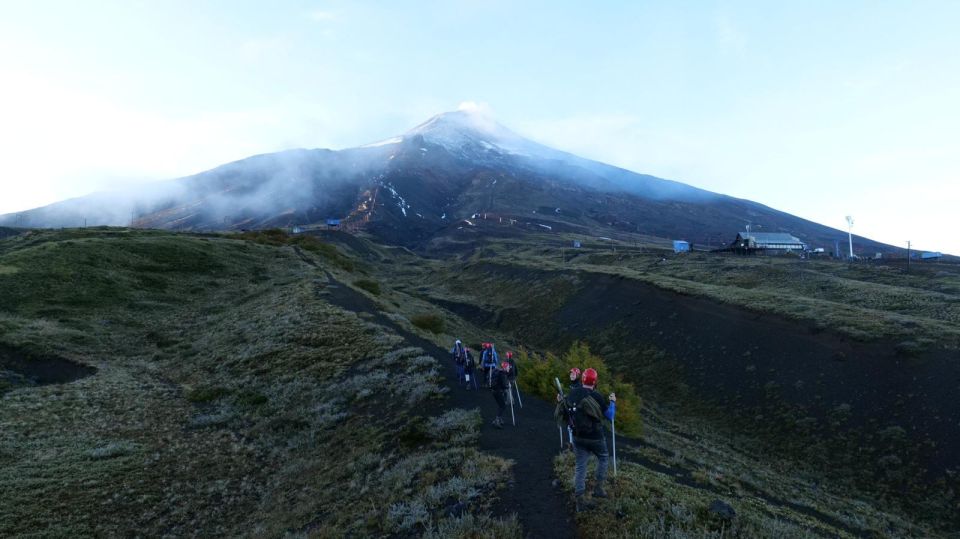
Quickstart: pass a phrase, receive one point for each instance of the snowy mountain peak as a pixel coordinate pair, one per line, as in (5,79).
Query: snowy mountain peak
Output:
(459,127)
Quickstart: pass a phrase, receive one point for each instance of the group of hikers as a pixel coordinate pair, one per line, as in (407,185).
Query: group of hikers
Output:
(498,376)
(581,409)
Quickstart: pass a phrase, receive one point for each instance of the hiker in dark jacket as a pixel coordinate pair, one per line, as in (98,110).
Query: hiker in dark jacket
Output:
(459,358)
(499,387)
(469,370)
(588,435)
(574,378)
(513,368)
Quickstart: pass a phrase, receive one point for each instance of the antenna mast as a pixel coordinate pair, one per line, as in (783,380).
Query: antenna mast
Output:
(850,233)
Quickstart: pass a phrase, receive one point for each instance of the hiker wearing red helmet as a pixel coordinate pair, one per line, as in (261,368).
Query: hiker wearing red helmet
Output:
(574,378)
(513,367)
(499,385)
(587,408)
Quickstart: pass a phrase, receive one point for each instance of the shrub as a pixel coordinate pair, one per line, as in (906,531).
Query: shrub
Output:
(111,450)
(205,393)
(370,286)
(430,322)
(537,376)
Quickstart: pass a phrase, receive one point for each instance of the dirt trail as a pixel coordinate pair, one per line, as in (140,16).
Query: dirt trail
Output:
(543,510)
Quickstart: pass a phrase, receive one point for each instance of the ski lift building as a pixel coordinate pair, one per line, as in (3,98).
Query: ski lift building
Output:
(767,242)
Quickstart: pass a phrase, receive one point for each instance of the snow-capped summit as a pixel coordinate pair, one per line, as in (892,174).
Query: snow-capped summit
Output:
(474,130)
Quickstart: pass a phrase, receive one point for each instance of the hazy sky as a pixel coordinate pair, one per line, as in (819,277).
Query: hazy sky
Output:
(820,109)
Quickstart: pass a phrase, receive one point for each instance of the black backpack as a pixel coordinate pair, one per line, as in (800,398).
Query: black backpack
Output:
(583,416)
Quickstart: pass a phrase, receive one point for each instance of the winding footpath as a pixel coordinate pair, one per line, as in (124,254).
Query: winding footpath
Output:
(543,510)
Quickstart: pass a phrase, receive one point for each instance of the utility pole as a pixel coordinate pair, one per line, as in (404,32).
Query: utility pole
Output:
(850,233)
(908,256)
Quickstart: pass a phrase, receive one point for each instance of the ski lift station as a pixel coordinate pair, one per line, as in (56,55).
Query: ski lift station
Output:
(766,243)
(680,246)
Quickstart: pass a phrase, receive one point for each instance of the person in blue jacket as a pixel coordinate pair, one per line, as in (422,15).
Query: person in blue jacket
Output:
(489,362)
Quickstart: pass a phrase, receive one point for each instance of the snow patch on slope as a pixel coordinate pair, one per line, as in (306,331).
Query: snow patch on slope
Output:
(393,140)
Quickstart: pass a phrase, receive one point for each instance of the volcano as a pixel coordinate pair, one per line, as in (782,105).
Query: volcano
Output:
(439,177)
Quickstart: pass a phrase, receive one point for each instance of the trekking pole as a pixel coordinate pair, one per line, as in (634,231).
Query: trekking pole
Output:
(613,426)
(513,417)
(519,400)
(556,383)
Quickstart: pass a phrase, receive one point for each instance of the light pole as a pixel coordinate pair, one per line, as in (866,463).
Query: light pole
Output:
(850,233)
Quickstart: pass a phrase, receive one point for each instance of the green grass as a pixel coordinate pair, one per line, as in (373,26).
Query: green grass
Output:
(429,322)
(539,374)
(370,286)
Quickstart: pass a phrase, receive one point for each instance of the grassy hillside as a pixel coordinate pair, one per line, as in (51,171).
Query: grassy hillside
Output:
(819,397)
(866,300)
(238,391)
(229,399)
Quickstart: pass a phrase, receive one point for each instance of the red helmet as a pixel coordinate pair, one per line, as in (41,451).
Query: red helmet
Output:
(589,377)
(575,371)
(486,345)
(505,366)
(509,355)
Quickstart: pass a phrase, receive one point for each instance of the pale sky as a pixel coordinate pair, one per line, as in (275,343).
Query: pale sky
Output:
(820,109)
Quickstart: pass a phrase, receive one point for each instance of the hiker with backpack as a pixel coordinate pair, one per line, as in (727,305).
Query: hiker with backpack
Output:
(583,409)
(459,357)
(488,362)
(513,373)
(500,385)
(469,370)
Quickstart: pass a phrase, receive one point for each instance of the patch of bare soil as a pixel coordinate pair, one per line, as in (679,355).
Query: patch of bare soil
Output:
(18,368)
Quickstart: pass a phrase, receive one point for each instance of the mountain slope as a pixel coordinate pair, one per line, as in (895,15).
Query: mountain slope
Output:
(412,188)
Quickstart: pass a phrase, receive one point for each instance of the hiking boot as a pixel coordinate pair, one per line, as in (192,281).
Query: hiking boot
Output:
(599,493)
(582,504)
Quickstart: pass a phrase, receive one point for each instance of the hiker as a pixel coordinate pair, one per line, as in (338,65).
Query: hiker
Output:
(588,409)
(499,386)
(488,362)
(513,367)
(574,378)
(459,356)
(469,370)
(512,375)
